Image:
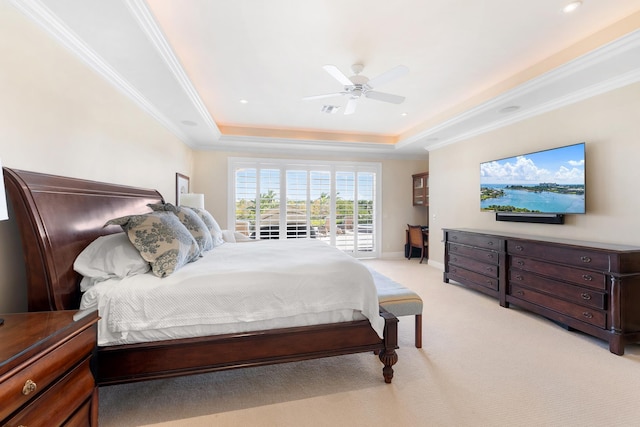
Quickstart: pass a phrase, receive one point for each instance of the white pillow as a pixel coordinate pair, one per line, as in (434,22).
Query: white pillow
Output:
(231,236)
(107,257)
(228,236)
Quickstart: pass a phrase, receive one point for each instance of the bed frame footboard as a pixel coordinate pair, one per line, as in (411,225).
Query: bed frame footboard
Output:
(164,359)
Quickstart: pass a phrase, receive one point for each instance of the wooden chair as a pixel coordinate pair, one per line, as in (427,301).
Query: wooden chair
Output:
(417,240)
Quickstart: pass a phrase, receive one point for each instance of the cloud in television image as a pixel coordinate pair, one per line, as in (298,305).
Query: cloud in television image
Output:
(550,181)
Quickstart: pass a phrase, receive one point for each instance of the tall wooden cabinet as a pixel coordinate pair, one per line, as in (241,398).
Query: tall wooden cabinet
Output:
(592,287)
(421,189)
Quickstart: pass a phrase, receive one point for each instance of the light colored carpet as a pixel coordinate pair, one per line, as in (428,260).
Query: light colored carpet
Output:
(480,365)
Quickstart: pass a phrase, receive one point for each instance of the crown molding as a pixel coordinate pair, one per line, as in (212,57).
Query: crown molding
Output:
(149,26)
(56,28)
(622,46)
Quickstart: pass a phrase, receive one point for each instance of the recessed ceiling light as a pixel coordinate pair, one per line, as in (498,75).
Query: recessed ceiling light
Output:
(244,101)
(572,6)
(404,114)
(509,109)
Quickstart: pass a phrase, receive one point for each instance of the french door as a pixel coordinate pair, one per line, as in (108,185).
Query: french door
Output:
(335,202)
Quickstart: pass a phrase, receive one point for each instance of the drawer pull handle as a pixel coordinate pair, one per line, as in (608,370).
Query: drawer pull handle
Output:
(454,259)
(490,256)
(585,296)
(585,259)
(490,243)
(454,248)
(454,237)
(489,268)
(587,277)
(29,387)
(520,292)
(518,277)
(587,315)
(520,263)
(519,248)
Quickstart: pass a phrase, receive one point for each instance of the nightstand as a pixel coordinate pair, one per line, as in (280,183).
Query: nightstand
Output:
(45,369)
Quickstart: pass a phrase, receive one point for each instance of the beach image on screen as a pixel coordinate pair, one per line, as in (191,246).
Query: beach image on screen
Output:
(551,181)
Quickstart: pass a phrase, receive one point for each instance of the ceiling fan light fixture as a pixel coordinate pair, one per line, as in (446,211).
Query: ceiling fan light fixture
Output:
(330,109)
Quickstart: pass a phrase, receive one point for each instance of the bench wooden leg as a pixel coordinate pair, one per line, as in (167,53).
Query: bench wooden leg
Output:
(418,330)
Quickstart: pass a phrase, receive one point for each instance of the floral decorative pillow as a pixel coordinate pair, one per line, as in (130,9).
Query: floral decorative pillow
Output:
(191,221)
(212,225)
(161,239)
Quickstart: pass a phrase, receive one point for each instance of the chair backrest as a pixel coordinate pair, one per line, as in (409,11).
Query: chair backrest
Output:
(416,238)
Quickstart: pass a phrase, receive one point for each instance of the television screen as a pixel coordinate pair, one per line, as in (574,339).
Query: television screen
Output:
(549,182)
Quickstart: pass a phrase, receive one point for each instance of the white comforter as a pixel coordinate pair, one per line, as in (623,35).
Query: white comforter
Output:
(239,287)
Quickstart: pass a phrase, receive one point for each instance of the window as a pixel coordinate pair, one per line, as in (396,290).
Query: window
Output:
(336,202)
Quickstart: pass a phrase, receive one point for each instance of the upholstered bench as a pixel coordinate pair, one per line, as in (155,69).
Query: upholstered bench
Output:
(399,301)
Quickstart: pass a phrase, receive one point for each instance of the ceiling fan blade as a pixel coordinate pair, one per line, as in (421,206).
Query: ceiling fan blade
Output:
(385,77)
(351,106)
(386,97)
(338,75)
(327,95)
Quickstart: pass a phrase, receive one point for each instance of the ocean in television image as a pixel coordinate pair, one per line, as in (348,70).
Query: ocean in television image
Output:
(550,182)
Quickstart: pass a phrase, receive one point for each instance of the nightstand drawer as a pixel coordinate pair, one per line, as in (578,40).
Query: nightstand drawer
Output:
(51,408)
(29,382)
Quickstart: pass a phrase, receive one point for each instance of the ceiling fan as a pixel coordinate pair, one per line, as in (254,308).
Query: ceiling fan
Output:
(357,86)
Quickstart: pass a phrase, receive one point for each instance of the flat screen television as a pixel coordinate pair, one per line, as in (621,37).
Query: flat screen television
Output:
(545,182)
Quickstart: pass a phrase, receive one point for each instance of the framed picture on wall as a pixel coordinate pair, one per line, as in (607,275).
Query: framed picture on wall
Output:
(182,186)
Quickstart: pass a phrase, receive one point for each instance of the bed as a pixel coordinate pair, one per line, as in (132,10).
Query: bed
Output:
(59,216)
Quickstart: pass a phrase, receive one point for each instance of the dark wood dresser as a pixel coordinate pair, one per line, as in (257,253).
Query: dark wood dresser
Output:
(592,287)
(45,370)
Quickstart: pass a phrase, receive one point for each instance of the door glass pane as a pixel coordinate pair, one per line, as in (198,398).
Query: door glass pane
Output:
(345,195)
(298,225)
(320,191)
(268,222)
(245,200)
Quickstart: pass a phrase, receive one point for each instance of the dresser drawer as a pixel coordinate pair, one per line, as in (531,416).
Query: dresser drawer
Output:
(479,240)
(483,255)
(474,265)
(581,258)
(575,294)
(57,404)
(476,278)
(571,274)
(578,312)
(27,383)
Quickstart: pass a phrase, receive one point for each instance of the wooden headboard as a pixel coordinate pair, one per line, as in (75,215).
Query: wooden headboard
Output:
(57,218)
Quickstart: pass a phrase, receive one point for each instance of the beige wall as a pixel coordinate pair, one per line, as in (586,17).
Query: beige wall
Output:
(58,116)
(610,126)
(211,178)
